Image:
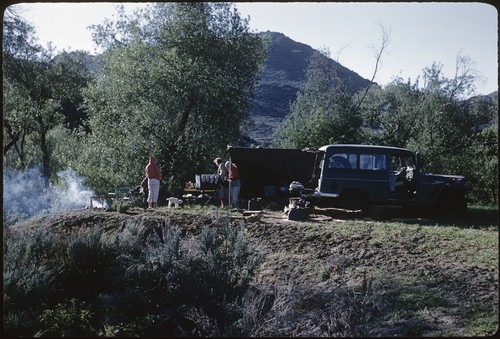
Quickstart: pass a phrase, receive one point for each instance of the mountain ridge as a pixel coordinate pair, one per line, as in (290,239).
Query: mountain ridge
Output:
(280,80)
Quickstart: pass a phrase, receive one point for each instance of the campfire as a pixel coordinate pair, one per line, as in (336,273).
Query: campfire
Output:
(98,202)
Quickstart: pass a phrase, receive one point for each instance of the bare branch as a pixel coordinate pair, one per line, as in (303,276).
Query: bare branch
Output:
(385,35)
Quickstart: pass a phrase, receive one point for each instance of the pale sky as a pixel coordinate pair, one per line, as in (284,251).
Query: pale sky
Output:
(420,33)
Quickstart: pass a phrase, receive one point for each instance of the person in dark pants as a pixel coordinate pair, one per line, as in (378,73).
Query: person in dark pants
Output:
(223,183)
(234,183)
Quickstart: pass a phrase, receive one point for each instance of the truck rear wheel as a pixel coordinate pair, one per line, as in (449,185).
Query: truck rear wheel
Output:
(354,200)
(452,204)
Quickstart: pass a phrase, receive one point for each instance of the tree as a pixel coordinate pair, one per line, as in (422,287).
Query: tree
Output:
(35,89)
(177,82)
(390,113)
(442,120)
(447,123)
(324,111)
(482,156)
(18,45)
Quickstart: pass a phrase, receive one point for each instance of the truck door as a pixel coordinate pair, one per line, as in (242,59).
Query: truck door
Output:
(373,175)
(402,176)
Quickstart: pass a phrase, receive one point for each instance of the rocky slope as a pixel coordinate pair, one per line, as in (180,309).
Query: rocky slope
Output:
(280,80)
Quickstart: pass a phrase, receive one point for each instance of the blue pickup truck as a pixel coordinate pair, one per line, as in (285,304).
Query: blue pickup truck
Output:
(354,176)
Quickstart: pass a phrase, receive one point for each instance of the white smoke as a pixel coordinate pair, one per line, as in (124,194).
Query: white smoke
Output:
(25,194)
(71,193)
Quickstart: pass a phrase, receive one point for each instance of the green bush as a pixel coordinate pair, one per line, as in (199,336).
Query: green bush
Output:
(120,206)
(144,278)
(69,318)
(28,278)
(202,283)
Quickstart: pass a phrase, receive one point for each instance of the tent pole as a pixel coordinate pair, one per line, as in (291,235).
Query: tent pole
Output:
(229,192)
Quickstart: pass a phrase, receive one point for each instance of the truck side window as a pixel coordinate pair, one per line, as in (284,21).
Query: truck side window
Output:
(342,160)
(366,161)
(380,163)
(372,162)
(396,162)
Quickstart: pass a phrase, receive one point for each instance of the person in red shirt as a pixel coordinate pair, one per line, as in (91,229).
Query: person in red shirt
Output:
(153,173)
(234,183)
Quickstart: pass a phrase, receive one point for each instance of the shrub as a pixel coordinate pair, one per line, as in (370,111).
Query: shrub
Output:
(197,286)
(69,318)
(142,279)
(120,206)
(229,261)
(86,261)
(312,311)
(28,278)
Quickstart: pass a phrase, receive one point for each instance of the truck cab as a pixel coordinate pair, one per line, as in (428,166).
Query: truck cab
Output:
(354,176)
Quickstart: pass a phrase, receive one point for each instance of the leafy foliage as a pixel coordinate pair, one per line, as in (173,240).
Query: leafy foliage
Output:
(454,132)
(39,93)
(69,318)
(180,73)
(324,111)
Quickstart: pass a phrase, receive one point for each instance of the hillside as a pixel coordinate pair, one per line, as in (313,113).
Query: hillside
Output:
(280,80)
(334,275)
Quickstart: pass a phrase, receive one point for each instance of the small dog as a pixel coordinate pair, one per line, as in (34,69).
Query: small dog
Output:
(173,201)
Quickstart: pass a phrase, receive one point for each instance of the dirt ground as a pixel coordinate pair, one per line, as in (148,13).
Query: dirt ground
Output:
(298,257)
(304,257)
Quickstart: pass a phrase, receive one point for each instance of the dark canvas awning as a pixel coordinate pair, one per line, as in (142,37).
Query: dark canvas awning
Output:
(269,171)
